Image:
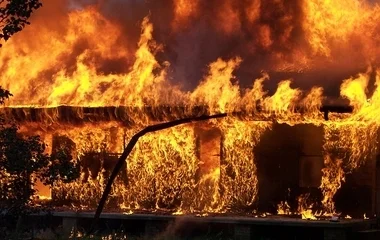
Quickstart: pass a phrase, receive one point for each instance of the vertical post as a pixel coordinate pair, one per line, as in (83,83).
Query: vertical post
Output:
(45,191)
(222,163)
(326,115)
(376,182)
(209,148)
(124,139)
(377,187)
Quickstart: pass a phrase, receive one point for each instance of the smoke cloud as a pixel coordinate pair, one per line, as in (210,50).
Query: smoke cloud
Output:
(276,36)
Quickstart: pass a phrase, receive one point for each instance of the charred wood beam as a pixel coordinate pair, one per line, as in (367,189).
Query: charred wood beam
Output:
(326,109)
(129,115)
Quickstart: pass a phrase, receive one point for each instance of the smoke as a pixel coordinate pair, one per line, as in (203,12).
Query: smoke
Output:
(227,29)
(274,36)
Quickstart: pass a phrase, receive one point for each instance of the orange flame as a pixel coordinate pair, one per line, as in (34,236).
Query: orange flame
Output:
(168,170)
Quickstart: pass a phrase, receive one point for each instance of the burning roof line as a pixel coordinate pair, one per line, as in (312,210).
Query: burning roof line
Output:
(127,115)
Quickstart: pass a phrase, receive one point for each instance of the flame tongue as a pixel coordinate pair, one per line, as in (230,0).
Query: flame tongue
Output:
(91,63)
(88,60)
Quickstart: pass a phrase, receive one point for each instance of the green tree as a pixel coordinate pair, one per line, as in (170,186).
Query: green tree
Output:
(14,15)
(23,161)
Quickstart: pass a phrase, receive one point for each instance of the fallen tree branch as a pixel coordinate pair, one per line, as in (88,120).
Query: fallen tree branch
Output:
(122,160)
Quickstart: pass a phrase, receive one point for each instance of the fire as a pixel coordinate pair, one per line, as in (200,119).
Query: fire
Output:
(308,215)
(178,212)
(333,176)
(284,100)
(183,10)
(329,23)
(283,208)
(240,172)
(253,11)
(118,93)
(217,91)
(306,209)
(82,25)
(228,18)
(197,168)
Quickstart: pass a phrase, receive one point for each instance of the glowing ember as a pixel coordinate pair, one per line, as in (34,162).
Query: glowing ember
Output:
(283,208)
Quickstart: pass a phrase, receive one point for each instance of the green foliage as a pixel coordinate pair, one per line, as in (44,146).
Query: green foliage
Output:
(61,166)
(4,95)
(14,15)
(23,161)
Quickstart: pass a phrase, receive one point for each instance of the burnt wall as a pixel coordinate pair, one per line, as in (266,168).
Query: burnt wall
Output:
(289,162)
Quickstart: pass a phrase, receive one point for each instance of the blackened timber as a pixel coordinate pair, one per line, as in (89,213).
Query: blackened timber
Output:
(78,115)
(128,115)
(326,109)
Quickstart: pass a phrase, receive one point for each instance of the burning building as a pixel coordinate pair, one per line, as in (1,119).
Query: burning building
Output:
(301,139)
